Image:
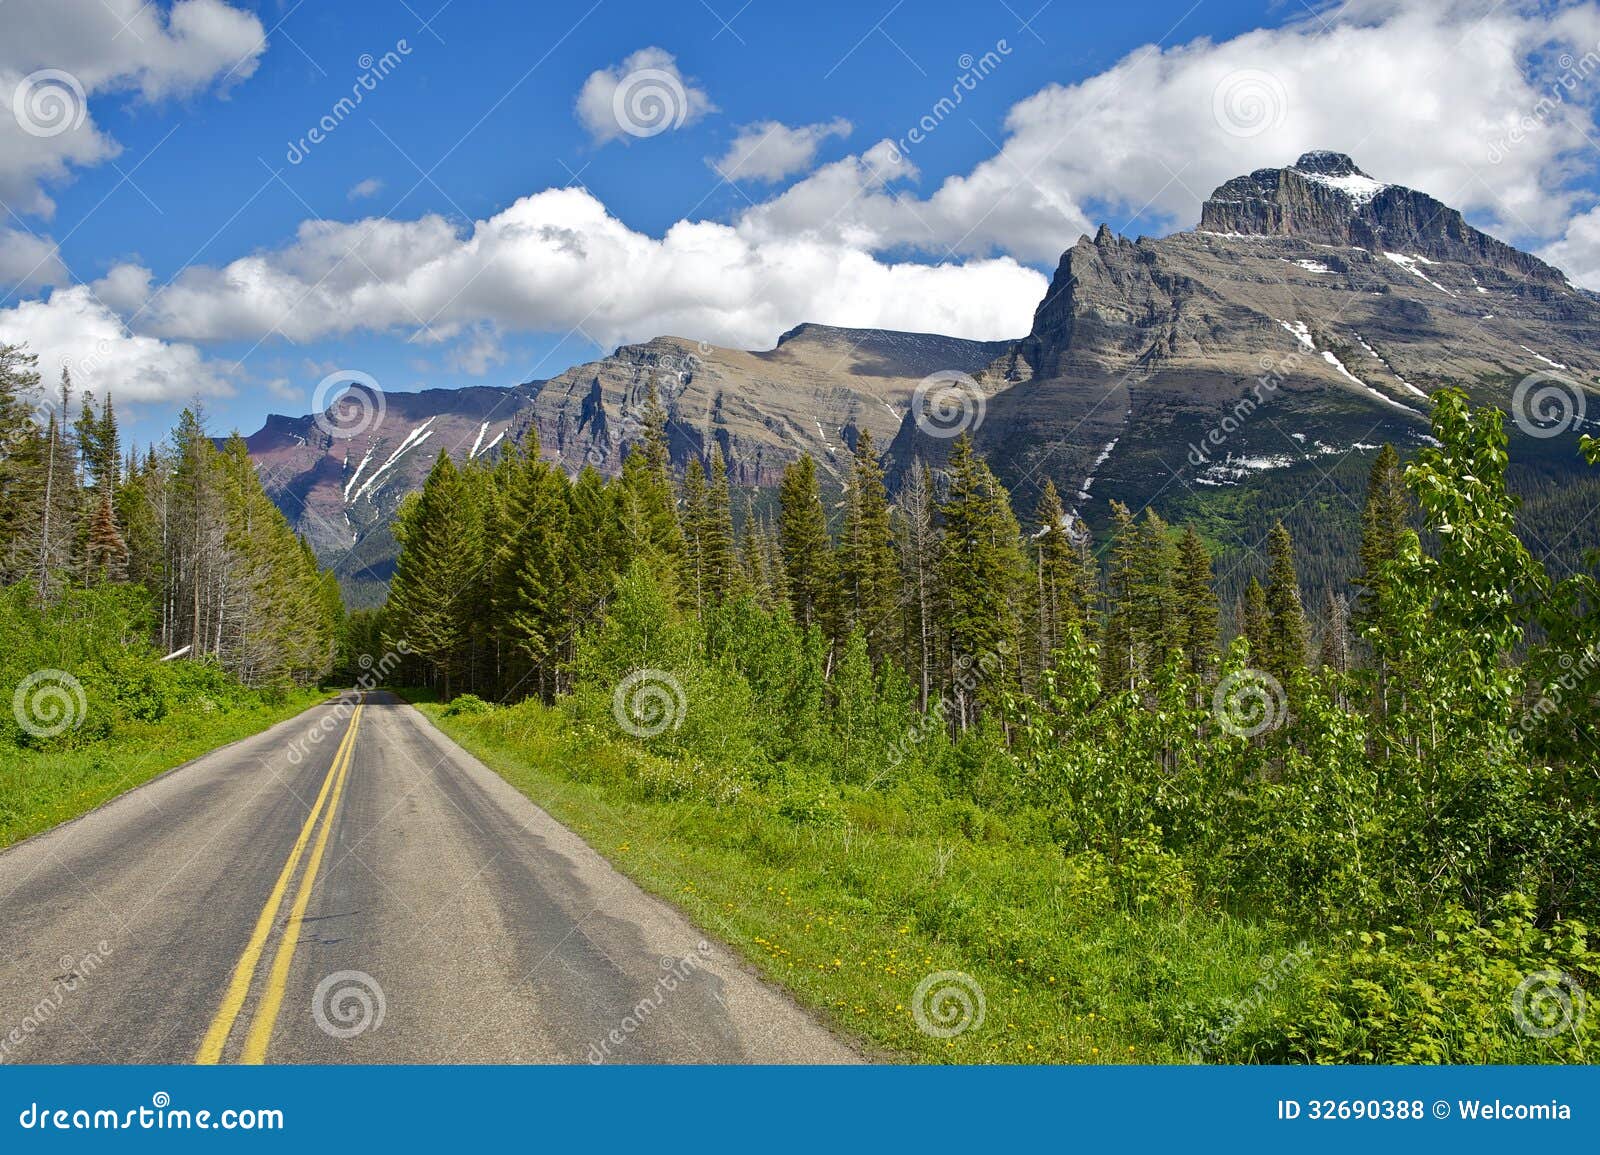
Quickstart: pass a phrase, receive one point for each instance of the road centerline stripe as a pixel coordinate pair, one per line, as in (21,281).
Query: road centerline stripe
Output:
(266,1017)
(244,971)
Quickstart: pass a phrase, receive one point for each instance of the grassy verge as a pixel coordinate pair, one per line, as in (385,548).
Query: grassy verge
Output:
(40,789)
(853,911)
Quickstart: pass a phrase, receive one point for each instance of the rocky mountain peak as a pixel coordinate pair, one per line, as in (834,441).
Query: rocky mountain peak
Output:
(1326,199)
(1325,163)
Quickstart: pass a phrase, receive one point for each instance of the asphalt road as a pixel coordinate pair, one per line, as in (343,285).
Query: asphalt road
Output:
(376,896)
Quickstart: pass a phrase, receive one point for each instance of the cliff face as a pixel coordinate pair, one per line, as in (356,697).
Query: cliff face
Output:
(1310,316)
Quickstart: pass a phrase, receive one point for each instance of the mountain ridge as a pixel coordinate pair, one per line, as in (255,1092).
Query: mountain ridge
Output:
(1325,302)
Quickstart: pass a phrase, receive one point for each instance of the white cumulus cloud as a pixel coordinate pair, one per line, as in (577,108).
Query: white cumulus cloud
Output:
(28,261)
(94,47)
(557,261)
(643,96)
(75,330)
(772,150)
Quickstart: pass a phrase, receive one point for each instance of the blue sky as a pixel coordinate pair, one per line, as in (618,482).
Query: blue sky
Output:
(168,245)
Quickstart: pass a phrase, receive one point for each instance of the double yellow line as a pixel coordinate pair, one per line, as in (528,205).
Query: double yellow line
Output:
(260,1034)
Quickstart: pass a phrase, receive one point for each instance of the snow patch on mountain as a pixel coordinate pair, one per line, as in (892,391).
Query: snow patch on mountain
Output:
(1359,187)
(1410,263)
(1542,357)
(413,439)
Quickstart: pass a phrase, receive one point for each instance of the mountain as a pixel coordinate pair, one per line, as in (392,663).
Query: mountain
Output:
(1228,375)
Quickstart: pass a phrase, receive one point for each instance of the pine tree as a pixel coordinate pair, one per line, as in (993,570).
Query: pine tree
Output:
(692,518)
(1334,652)
(869,569)
(1059,577)
(1197,604)
(440,539)
(193,538)
(1255,623)
(648,507)
(808,561)
(60,503)
(1158,620)
(982,575)
(21,462)
(717,556)
(755,558)
(1286,631)
(108,552)
(1385,520)
(99,443)
(596,525)
(919,552)
(1120,662)
(535,567)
